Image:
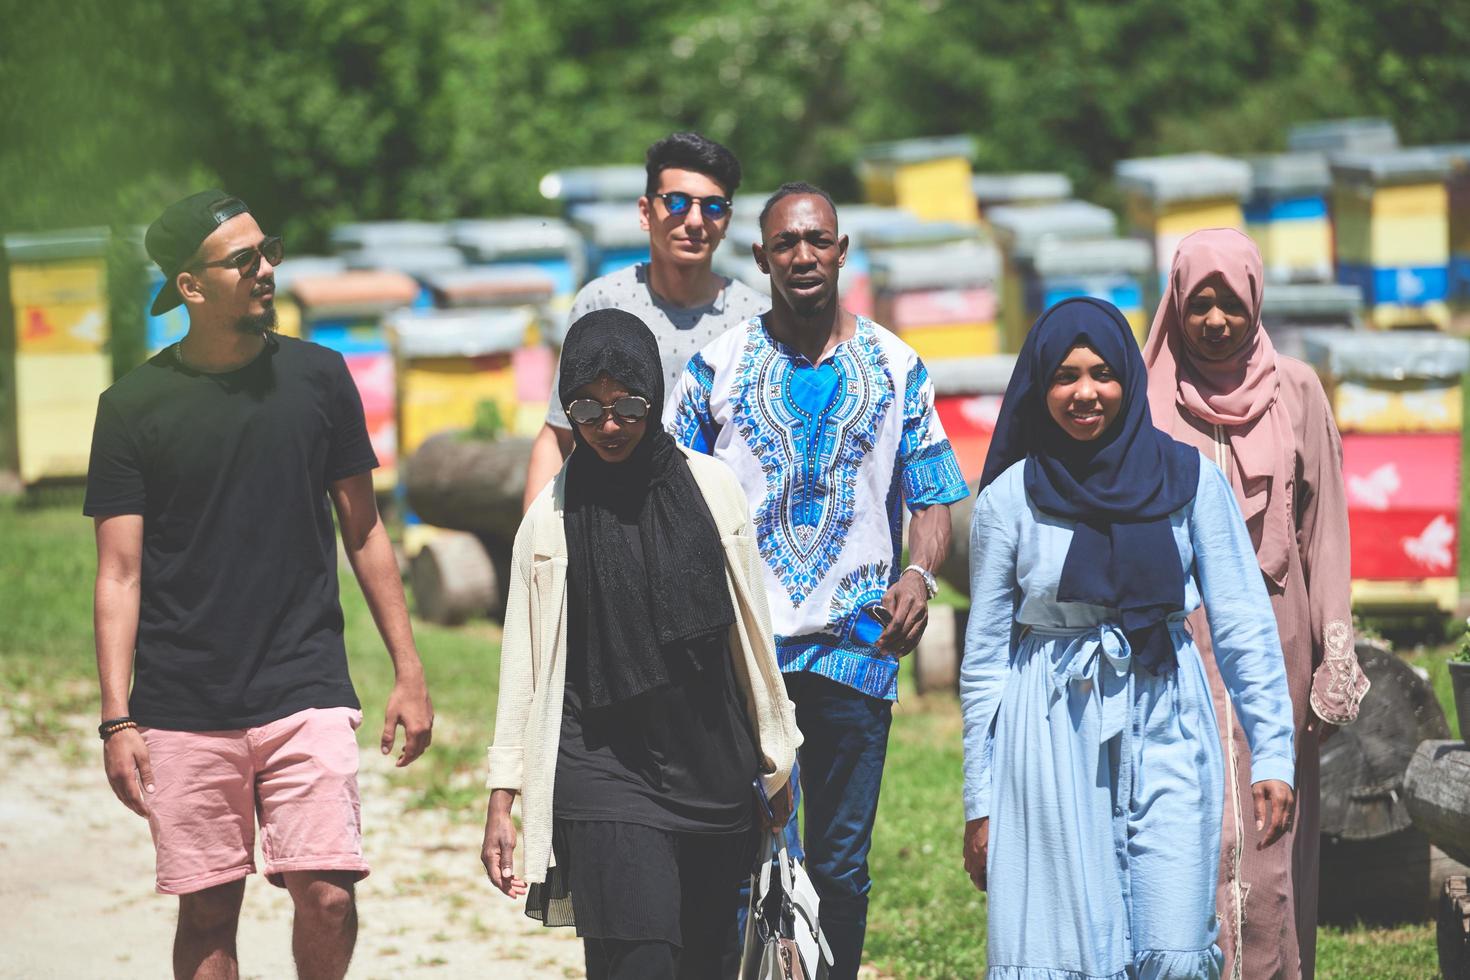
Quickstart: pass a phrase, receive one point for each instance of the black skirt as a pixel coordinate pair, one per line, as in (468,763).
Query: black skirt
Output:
(635,883)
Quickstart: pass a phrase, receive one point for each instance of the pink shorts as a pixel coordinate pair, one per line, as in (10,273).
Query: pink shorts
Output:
(299,774)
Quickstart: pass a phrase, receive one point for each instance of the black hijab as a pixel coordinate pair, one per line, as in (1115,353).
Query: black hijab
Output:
(1120,488)
(625,614)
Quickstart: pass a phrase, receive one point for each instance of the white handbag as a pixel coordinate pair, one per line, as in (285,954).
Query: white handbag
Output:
(783,936)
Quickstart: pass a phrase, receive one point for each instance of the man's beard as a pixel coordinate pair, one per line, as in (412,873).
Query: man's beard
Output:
(257,323)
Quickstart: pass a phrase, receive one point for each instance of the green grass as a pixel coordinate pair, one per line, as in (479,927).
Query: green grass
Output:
(926,920)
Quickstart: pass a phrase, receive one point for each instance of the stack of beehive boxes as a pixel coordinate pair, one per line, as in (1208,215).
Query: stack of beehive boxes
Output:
(942,297)
(63,361)
(1391,228)
(1170,197)
(967,398)
(1398,400)
(1065,249)
(345,313)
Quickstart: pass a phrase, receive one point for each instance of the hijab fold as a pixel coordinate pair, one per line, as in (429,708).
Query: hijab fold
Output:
(1120,488)
(627,613)
(1241,393)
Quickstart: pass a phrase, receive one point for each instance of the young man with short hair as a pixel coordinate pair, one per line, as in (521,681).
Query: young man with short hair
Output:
(686,211)
(215,469)
(828,421)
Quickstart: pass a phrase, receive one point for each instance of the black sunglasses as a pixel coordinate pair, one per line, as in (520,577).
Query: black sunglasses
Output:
(590,411)
(712,207)
(247,260)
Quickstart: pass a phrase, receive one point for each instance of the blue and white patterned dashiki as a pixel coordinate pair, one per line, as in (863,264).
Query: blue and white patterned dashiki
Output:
(1103,782)
(829,455)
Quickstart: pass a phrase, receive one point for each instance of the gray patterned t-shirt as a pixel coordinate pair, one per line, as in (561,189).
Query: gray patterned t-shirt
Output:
(681,331)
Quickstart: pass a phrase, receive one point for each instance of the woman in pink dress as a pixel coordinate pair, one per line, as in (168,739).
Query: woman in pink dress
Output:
(1216,382)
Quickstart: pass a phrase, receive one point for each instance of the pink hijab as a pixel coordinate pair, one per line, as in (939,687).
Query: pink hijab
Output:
(1241,394)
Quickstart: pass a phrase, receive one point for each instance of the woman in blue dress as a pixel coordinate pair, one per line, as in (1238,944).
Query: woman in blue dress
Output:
(1093,769)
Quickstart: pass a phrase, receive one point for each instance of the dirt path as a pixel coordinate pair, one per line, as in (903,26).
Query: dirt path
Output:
(76,886)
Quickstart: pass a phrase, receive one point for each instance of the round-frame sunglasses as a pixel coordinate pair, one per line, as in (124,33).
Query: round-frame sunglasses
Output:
(590,411)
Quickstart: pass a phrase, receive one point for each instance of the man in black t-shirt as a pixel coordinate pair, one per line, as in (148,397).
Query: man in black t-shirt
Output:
(215,470)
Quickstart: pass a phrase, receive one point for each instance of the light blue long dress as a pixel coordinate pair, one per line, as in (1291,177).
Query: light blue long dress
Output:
(1103,781)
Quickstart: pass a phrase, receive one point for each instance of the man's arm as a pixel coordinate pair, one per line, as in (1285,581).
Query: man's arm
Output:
(908,599)
(115,621)
(371,555)
(552,446)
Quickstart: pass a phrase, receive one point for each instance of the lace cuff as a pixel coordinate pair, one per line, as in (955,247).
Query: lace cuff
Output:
(1339,684)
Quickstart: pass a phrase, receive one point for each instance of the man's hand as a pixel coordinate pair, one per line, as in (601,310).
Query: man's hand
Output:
(500,845)
(410,707)
(977,851)
(908,601)
(125,758)
(1275,804)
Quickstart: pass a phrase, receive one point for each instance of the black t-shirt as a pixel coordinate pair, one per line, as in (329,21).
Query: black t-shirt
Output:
(239,622)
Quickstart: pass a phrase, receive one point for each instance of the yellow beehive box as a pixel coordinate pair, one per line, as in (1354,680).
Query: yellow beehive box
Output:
(1411,405)
(55,406)
(952,340)
(931,178)
(1294,251)
(1396,316)
(438,393)
(1387,226)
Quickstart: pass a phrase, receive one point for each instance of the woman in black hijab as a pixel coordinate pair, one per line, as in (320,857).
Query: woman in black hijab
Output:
(658,684)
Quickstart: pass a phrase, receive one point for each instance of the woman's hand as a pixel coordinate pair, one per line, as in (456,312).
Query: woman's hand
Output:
(977,851)
(500,844)
(1275,807)
(780,810)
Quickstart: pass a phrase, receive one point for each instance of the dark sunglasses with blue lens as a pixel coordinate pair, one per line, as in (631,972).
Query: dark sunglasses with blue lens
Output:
(714,208)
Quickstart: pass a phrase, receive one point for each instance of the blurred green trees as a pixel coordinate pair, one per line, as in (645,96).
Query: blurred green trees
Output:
(318,111)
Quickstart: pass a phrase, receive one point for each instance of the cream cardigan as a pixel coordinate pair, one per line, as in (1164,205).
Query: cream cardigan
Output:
(534,647)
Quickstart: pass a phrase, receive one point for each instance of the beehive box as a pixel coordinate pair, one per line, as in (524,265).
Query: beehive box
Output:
(941,299)
(612,233)
(1363,135)
(1287,216)
(929,177)
(1020,231)
(1008,189)
(59,351)
(1391,233)
(1409,382)
(1170,197)
(550,244)
(450,362)
(345,313)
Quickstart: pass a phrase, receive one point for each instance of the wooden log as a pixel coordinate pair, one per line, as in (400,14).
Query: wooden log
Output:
(1437,793)
(1454,929)
(469,484)
(453,578)
(937,657)
(1363,765)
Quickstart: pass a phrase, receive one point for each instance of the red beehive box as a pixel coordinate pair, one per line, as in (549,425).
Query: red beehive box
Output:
(1403,494)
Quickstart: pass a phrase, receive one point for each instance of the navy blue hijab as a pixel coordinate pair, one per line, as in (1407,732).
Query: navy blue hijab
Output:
(1120,488)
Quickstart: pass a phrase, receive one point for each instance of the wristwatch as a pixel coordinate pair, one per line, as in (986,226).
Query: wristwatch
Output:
(930,586)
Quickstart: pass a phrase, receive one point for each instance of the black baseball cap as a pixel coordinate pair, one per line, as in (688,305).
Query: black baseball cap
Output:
(173,239)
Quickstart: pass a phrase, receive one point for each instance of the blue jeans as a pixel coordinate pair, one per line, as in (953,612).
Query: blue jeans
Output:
(845,742)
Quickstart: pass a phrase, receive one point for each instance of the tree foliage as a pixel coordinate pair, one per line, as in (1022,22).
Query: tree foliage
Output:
(319,111)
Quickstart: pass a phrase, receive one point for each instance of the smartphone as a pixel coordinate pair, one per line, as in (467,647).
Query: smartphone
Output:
(760,794)
(871,622)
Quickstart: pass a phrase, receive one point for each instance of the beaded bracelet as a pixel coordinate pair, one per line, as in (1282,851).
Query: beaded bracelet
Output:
(114,725)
